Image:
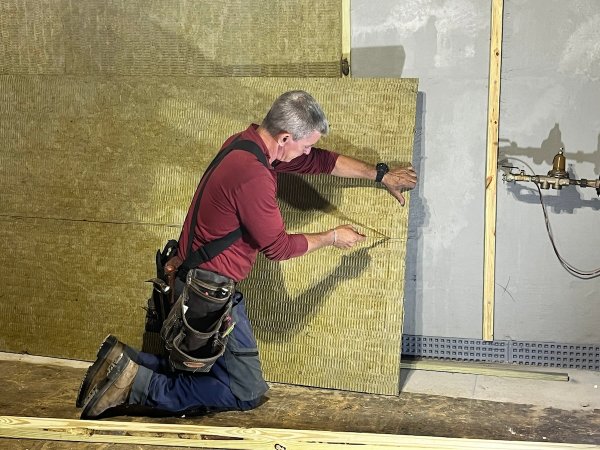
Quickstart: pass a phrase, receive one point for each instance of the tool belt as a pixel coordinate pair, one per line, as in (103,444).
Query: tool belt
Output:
(195,324)
(196,331)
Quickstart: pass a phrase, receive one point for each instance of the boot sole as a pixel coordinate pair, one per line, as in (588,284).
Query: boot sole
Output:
(112,376)
(109,343)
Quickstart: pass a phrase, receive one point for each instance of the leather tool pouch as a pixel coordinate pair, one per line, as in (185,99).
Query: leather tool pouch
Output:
(196,331)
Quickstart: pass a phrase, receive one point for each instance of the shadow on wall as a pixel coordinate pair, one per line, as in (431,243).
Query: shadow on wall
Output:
(418,218)
(548,148)
(570,198)
(305,306)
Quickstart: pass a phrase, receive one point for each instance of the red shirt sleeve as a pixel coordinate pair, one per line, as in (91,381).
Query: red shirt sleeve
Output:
(261,218)
(317,161)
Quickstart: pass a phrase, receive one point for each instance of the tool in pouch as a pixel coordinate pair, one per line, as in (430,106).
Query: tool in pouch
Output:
(163,288)
(195,327)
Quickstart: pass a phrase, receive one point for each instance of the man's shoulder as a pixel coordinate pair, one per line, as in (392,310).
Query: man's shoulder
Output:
(245,167)
(245,159)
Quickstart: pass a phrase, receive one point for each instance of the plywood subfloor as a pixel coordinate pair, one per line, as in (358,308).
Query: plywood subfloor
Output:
(49,391)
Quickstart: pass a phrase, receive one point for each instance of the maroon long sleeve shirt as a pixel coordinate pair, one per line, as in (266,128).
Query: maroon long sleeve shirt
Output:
(241,192)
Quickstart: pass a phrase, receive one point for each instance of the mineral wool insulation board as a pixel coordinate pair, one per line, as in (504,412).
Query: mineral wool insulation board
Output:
(97,173)
(171,37)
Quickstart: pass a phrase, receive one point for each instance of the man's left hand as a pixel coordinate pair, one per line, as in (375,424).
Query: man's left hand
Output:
(399,180)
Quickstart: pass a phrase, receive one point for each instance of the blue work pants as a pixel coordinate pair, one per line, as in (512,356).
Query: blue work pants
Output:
(234,382)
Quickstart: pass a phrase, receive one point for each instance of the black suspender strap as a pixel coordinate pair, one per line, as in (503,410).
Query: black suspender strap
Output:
(213,248)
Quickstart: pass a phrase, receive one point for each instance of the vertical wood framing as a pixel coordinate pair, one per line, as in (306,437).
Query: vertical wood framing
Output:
(492,169)
(346,37)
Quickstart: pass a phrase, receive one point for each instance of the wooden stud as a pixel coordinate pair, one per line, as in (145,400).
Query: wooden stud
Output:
(242,438)
(489,256)
(346,37)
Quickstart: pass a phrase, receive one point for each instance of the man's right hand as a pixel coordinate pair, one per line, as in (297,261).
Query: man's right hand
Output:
(346,236)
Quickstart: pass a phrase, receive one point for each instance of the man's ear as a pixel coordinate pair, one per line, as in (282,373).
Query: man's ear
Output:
(283,138)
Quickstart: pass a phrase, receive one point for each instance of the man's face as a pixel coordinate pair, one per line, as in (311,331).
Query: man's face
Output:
(290,149)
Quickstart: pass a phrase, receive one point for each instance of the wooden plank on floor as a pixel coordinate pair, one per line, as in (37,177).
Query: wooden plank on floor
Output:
(240,438)
(492,370)
(44,360)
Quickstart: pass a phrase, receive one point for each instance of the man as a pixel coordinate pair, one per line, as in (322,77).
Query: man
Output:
(239,193)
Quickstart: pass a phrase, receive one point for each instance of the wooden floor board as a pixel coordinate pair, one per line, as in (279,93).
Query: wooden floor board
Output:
(48,392)
(241,438)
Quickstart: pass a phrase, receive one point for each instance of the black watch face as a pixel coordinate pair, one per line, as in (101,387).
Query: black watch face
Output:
(382,167)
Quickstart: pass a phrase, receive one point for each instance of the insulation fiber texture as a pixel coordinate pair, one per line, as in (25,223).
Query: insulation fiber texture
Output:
(97,173)
(171,37)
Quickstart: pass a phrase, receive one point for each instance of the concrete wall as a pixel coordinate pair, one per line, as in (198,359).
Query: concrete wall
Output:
(550,98)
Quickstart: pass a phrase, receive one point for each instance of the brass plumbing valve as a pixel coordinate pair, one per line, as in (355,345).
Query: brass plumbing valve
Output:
(558,166)
(557,177)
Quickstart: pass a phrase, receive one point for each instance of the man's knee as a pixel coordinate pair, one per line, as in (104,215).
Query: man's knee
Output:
(251,404)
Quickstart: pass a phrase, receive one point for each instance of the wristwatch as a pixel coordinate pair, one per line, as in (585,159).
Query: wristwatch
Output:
(382,169)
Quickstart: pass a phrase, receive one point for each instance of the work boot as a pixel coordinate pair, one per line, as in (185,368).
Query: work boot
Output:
(114,391)
(108,354)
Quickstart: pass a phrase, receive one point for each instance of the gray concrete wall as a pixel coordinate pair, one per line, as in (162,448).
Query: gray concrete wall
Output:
(550,97)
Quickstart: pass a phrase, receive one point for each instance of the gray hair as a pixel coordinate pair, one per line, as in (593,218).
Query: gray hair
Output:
(296,113)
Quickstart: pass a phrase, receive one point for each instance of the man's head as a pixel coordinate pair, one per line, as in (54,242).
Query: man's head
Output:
(296,121)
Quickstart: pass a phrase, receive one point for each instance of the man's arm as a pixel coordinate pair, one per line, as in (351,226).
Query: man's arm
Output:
(344,236)
(397,180)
